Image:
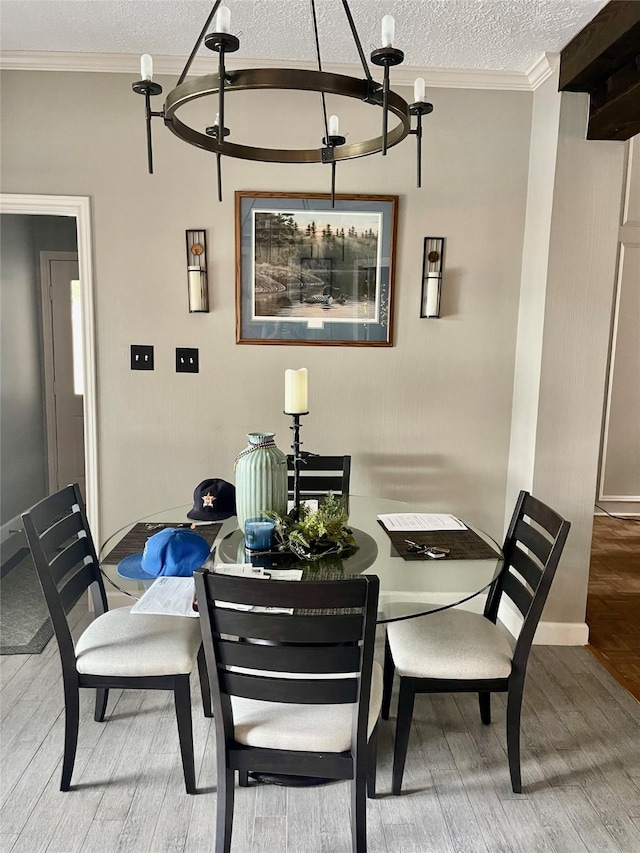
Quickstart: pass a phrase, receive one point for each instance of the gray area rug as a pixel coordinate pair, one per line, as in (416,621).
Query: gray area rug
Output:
(25,627)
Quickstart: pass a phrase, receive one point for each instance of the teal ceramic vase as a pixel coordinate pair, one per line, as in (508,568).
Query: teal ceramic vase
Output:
(261,478)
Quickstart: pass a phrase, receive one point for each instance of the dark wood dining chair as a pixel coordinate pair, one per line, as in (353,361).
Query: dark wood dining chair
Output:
(455,651)
(299,694)
(117,650)
(320,475)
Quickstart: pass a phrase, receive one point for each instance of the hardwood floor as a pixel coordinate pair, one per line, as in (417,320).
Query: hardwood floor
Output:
(613,604)
(581,774)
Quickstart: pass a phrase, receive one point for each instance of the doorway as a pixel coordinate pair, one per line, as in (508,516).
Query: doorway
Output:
(79,208)
(61,292)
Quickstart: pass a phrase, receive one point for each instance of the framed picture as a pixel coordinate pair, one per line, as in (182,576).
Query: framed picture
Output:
(312,274)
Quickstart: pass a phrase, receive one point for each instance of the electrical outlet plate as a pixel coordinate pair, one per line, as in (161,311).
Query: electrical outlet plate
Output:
(141,357)
(186,360)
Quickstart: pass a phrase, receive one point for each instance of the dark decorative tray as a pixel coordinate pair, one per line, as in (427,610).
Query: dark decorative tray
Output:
(133,542)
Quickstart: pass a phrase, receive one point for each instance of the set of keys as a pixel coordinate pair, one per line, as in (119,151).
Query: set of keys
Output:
(432,551)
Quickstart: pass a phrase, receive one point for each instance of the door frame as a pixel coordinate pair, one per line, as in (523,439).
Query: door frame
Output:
(48,350)
(80,208)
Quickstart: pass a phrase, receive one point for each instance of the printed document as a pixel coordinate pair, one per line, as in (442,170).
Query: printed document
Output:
(404,521)
(168,596)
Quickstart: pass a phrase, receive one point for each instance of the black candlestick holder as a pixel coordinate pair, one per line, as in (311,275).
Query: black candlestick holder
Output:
(297,459)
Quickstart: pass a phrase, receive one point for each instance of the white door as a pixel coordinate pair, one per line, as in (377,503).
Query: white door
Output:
(64,375)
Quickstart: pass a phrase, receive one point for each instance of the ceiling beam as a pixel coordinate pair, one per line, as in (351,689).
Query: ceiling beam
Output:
(604,60)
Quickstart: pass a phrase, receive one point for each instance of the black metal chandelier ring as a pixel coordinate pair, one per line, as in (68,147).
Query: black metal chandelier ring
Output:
(285,79)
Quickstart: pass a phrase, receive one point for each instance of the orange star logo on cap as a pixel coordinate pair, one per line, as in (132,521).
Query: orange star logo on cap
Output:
(208,499)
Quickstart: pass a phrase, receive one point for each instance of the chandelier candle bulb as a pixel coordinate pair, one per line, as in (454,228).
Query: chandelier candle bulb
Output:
(296,392)
(334,126)
(419,90)
(223,20)
(388,30)
(146,67)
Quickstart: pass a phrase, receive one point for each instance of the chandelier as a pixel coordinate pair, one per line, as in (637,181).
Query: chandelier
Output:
(334,147)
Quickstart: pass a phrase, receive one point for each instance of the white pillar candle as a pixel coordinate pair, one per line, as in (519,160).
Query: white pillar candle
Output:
(432,296)
(418,90)
(146,67)
(296,391)
(195,289)
(334,126)
(388,30)
(223,20)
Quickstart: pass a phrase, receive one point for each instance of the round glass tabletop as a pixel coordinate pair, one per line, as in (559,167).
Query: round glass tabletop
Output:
(408,588)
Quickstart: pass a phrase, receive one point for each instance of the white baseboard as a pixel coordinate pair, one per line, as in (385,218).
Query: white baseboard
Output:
(8,529)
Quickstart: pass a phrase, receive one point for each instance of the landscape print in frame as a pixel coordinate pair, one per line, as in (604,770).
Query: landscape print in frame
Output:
(312,274)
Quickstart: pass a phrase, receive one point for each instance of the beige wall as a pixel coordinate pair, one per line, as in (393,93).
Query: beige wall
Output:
(426,420)
(578,308)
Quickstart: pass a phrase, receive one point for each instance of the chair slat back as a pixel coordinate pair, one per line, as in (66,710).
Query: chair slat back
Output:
(289,658)
(65,558)
(316,657)
(66,562)
(532,549)
(320,475)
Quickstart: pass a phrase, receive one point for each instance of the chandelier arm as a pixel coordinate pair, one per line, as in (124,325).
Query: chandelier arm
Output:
(333,183)
(319,59)
(219,174)
(356,38)
(419,148)
(385,109)
(148,114)
(199,40)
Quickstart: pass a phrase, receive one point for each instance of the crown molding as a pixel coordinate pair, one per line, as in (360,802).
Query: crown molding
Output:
(544,67)
(124,63)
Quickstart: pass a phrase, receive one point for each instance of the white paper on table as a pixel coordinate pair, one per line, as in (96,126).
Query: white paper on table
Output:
(401,521)
(167,596)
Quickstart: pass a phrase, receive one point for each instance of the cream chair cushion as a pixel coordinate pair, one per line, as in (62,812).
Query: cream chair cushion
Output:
(450,644)
(301,728)
(119,643)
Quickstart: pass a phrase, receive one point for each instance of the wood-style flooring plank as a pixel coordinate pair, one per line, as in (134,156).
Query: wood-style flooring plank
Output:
(103,835)
(586,821)
(613,601)
(461,821)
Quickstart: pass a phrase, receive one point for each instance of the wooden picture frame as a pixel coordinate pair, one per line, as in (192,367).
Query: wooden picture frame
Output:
(311,274)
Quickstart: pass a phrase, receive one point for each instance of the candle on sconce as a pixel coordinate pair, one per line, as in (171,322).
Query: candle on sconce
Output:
(223,20)
(296,391)
(146,67)
(334,126)
(195,289)
(433,287)
(418,90)
(388,30)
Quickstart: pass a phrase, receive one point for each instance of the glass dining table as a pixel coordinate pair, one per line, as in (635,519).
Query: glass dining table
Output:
(409,587)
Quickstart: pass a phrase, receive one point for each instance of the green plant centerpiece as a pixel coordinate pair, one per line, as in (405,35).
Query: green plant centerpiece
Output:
(316,533)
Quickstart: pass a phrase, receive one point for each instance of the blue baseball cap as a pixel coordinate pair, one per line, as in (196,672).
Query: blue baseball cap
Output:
(171,551)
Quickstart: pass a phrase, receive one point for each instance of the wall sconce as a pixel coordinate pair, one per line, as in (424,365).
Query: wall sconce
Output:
(431,276)
(197,272)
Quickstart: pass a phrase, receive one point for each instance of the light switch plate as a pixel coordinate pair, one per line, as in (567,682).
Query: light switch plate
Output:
(141,357)
(187,360)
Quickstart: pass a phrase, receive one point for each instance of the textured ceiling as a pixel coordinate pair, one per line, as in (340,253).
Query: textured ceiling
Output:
(501,35)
